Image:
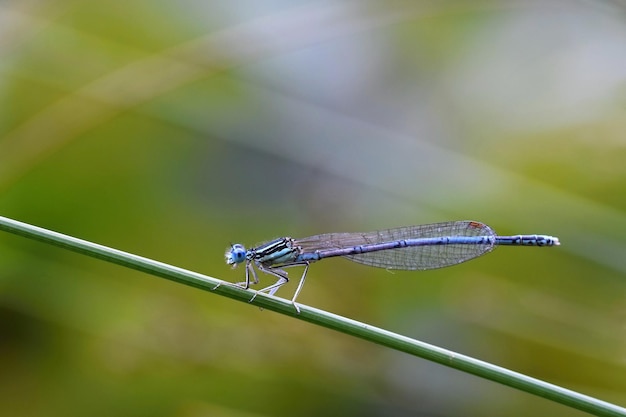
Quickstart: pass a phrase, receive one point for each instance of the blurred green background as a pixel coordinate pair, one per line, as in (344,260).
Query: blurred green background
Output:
(170,129)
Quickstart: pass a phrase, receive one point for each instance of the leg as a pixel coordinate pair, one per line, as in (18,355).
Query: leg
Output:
(279,273)
(283,279)
(300,285)
(245,284)
(283,275)
(255,278)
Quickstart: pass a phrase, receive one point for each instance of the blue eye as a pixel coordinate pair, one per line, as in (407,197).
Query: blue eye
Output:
(236,254)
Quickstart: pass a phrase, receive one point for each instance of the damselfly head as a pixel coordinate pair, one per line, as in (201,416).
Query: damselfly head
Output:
(236,254)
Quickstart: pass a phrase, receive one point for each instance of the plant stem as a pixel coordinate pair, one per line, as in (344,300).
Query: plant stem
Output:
(322,318)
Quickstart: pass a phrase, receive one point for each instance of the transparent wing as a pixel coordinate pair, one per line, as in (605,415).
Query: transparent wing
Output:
(412,257)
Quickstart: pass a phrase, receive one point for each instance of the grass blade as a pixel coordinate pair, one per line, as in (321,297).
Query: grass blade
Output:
(322,318)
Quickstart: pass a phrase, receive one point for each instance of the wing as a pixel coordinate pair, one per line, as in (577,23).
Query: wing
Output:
(415,256)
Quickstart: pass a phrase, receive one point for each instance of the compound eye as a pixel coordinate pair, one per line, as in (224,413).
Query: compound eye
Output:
(240,253)
(236,254)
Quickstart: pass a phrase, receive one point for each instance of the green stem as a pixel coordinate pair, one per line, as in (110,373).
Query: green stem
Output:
(321,318)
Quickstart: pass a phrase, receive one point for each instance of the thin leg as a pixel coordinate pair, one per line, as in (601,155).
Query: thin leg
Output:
(283,279)
(300,285)
(255,279)
(245,285)
(280,274)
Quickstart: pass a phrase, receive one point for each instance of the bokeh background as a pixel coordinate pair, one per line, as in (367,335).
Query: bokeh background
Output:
(170,129)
